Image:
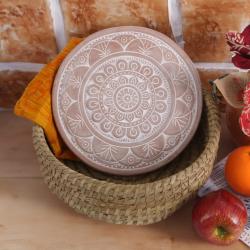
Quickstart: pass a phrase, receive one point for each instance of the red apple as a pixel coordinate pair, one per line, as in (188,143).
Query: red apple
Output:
(219,217)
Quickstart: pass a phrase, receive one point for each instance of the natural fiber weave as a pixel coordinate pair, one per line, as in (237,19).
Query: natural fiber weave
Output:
(134,200)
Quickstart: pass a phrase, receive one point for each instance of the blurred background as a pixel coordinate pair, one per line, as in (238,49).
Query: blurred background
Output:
(32,32)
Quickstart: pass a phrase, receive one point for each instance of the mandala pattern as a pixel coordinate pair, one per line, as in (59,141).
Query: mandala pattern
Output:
(126,102)
(121,102)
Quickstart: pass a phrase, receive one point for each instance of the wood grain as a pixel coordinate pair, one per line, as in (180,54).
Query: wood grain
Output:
(39,221)
(17,157)
(31,218)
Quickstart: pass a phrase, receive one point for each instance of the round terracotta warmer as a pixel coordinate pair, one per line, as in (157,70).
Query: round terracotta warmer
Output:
(127,100)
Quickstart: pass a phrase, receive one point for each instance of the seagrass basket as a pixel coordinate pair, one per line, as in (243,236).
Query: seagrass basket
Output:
(139,200)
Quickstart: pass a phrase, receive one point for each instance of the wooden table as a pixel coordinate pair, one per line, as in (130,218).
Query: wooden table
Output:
(31,218)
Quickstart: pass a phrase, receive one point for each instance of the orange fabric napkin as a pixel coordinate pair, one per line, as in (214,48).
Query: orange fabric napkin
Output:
(35,103)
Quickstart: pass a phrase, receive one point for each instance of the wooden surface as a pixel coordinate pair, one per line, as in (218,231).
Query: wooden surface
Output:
(31,218)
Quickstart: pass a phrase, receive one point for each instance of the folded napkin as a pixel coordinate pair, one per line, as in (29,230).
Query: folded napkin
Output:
(35,103)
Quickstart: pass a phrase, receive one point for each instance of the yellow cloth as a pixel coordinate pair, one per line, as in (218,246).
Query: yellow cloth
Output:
(35,103)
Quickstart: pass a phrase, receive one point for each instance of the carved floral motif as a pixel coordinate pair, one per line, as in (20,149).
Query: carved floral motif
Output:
(126,101)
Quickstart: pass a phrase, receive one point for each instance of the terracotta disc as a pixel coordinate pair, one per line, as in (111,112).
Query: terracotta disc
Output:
(127,100)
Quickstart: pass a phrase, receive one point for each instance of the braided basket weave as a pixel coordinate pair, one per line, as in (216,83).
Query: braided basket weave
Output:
(134,200)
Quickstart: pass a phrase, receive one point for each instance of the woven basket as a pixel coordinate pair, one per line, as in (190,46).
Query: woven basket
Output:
(137,200)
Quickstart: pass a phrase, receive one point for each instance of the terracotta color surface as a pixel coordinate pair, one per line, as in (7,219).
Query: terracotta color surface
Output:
(127,100)
(26,31)
(39,221)
(83,17)
(205,24)
(12,85)
(16,142)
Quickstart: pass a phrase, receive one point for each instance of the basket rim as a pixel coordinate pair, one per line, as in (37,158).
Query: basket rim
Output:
(212,112)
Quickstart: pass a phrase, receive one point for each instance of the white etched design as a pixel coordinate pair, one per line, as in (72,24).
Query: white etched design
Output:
(126,101)
(120,100)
